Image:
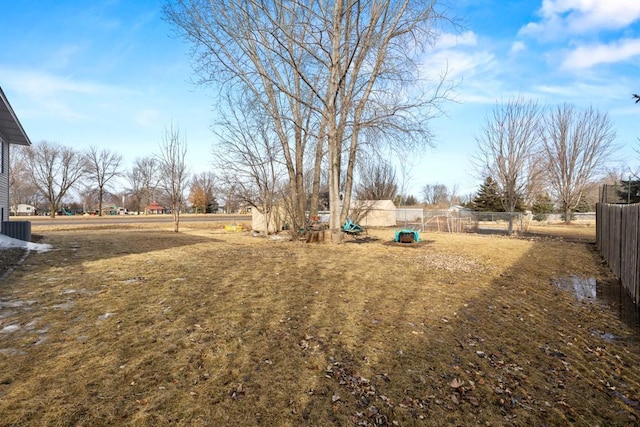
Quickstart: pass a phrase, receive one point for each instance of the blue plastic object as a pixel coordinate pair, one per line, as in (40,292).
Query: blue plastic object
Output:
(407,236)
(351,227)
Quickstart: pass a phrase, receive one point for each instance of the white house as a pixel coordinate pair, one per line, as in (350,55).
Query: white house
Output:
(11,133)
(23,209)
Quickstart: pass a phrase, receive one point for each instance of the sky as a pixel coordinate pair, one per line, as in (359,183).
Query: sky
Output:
(113,74)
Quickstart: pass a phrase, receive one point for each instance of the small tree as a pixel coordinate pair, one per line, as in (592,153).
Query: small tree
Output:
(102,166)
(173,170)
(542,206)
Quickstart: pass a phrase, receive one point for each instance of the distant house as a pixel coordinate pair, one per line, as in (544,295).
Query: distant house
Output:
(23,210)
(113,210)
(155,208)
(11,133)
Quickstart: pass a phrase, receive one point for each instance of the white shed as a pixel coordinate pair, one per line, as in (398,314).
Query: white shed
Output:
(373,213)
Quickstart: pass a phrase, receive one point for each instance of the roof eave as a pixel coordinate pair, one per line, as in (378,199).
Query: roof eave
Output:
(10,126)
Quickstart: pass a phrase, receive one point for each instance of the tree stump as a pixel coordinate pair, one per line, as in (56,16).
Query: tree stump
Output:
(315,236)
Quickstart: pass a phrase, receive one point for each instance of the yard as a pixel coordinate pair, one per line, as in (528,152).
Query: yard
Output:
(136,325)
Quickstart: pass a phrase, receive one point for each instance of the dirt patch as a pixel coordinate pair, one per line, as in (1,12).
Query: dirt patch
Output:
(143,326)
(9,258)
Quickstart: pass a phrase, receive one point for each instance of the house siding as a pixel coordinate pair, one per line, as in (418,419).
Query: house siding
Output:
(4,179)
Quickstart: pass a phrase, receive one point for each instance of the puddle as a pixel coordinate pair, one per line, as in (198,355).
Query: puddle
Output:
(609,293)
(583,288)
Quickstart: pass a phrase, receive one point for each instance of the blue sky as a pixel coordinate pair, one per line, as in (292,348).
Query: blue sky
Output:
(109,74)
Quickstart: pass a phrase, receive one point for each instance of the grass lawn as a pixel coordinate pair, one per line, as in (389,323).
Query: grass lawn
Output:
(136,325)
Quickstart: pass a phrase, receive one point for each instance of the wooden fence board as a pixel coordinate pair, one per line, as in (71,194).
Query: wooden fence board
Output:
(618,241)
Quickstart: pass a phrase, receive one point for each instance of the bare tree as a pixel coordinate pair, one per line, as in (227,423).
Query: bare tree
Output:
(21,188)
(248,156)
(377,181)
(102,166)
(54,169)
(256,48)
(342,72)
(577,145)
(143,181)
(89,198)
(435,195)
(173,170)
(507,146)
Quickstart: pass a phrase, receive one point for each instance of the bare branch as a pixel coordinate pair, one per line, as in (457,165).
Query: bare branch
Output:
(577,145)
(506,149)
(173,169)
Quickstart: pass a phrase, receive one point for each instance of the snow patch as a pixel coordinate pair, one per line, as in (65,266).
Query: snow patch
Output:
(10,328)
(7,242)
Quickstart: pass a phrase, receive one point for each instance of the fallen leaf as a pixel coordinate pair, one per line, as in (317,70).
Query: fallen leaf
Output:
(456,383)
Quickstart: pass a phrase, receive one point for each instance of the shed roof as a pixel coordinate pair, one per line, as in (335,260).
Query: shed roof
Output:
(10,126)
(155,206)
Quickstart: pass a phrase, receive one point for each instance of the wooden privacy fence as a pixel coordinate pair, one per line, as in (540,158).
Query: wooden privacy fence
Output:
(617,240)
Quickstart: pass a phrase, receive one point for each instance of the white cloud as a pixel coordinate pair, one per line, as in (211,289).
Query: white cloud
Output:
(595,92)
(518,47)
(582,16)
(147,117)
(449,40)
(62,57)
(63,98)
(40,84)
(590,55)
(458,64)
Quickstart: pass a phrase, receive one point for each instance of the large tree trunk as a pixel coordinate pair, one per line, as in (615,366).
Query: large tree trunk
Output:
(317,172)
(334,137)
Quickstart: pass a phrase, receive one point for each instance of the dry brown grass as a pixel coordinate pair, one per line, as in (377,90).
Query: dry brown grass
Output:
(141,326)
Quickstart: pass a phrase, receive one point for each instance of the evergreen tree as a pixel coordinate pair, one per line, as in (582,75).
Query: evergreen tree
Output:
(488,198)
(629,191)
(542,206)
(584,205)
